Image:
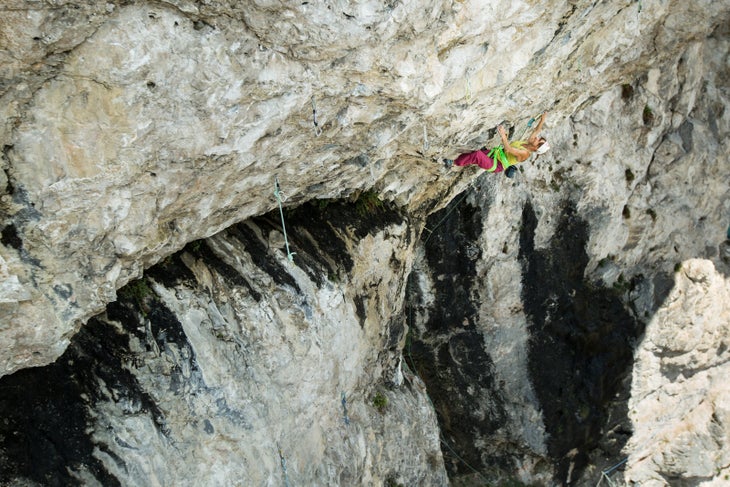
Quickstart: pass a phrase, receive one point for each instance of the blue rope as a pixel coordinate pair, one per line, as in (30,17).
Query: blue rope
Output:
(277,193)
(529,126)
(608,471)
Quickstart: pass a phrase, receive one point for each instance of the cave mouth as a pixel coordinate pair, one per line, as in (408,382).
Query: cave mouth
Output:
(49,418)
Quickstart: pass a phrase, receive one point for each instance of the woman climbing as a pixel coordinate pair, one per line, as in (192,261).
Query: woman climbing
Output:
(504,157)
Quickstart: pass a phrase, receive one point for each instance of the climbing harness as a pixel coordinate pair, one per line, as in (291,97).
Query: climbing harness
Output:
(497,154)
(277,193)
(317,130)
(344,409)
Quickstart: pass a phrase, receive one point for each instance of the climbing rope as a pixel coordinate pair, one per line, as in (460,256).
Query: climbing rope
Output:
(464,195)
(605,474)
(529,126)
(317,130)
(277,193)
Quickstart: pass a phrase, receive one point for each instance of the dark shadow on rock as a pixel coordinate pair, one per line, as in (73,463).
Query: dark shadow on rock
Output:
(47,426)
(447,351)
(581,346)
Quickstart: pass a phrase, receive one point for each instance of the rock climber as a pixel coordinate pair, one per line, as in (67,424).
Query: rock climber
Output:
(504,157)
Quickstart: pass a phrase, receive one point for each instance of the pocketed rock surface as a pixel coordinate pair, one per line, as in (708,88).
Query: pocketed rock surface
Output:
(433,326)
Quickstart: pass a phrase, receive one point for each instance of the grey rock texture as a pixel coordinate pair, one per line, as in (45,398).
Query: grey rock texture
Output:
(680,399)
(538,330)
(229,365)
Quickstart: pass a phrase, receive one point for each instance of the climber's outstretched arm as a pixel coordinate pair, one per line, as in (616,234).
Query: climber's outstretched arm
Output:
(521,154)
(539,126)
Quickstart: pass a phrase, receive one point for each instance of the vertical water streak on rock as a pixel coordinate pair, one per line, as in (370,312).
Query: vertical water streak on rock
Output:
(49,419)
(581,346)
(446,346)
(226,352)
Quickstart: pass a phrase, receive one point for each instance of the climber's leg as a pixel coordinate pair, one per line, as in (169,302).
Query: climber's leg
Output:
(478,157)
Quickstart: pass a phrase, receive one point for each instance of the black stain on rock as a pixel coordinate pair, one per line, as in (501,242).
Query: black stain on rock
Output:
(581,341)
(451,253)
(172,271)
(47,426)
(166,328)
(360,161)
(448,351)
(46,431)
(260,254)
(458,373)
(64,291)
(685,132)
(43,431)
(396,329)
(360,310)
(232,276)
(317,233)
(324,231)
(10,238)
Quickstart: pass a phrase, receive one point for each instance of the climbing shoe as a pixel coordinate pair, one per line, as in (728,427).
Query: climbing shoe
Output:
(510,172)
(448,163)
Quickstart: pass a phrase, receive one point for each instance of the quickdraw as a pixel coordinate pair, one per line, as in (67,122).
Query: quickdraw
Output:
(277,193)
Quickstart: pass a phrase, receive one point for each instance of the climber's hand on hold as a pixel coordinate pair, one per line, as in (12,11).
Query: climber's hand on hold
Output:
(503,135)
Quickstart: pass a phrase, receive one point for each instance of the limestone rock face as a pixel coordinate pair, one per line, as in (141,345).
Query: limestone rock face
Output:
(680,400)
(230,365)
(133,129)
(557,328)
